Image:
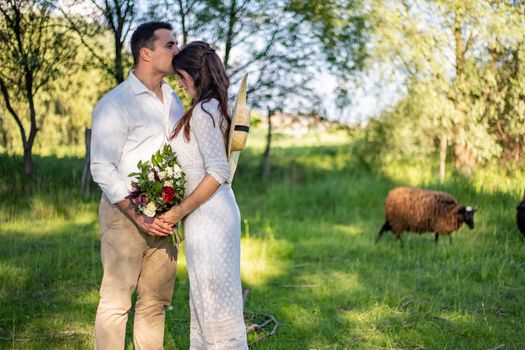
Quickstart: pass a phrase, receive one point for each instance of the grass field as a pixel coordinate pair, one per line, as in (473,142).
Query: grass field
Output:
(308,256)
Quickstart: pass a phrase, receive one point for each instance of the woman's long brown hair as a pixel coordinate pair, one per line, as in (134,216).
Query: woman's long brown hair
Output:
(204,66)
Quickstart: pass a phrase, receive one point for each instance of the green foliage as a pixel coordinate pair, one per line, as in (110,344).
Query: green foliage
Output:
(341,27)
(65,111)
(461,65)
(412,129)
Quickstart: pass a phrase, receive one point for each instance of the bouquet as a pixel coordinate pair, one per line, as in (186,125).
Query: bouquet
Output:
(158,186)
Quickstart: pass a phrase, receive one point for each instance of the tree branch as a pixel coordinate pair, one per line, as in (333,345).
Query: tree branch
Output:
(7,100)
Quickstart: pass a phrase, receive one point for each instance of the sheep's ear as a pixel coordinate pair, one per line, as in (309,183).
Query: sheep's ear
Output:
(462,210)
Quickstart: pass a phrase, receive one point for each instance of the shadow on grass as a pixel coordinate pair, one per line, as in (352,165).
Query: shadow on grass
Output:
(319,213)
(50,276)
(341,290)
(49,280)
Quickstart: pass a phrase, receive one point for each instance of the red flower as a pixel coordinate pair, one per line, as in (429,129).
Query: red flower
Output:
(167,194)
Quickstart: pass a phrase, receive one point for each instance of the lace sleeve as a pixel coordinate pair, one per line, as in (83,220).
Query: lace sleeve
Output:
(210,139)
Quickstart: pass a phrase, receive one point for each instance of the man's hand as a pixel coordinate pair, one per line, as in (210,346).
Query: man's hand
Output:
(151,226)
(154,226)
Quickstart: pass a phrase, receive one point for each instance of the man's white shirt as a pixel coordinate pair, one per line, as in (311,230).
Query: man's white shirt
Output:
(130,123)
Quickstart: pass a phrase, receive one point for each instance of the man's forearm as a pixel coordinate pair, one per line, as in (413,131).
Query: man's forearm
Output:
(128,208)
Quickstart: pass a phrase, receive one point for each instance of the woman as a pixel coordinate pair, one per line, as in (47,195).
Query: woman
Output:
(210,212)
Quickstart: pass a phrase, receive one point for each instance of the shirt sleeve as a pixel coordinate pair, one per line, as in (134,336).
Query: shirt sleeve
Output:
(210,140)
(108,135)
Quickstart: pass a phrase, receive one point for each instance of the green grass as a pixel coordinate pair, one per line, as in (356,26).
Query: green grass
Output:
(308,256)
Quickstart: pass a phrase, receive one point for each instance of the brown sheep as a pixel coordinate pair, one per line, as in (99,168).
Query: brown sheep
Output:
(416,210)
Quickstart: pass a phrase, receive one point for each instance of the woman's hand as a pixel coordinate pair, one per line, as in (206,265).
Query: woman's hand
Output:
(154,226)
(173,216)
(206,188)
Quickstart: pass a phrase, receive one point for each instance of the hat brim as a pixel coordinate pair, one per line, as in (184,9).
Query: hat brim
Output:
(240,116)
(240,112)
(232,162)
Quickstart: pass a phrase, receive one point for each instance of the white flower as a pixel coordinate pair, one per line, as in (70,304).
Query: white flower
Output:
(151,176)
(150,209)
(169,172)
(176,168)
(162,175)
(168,183)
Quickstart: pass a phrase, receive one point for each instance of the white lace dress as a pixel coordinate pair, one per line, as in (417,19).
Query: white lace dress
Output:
(212,238)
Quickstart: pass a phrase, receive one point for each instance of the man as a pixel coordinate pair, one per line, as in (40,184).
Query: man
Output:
(130,123)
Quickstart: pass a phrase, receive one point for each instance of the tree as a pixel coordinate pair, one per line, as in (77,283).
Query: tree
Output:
(277,43)
(281,44)
(36,52)
(93,20)
(340,28)
(184,16)
(502,89)
(442,50)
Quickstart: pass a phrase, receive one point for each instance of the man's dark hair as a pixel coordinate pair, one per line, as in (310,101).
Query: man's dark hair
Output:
(144,36)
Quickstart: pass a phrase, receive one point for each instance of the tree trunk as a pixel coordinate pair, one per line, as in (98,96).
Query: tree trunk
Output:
(460,48)
(86,172)
(183,23)
(33,130)
(232,19)
(266,161)
(442,158)
(119,67)
(465,159)
(28,161)
(5,138)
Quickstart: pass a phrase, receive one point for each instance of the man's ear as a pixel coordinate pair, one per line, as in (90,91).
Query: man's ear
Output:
(145,54)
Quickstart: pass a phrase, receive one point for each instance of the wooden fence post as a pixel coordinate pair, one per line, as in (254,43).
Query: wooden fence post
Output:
(86,173)
(266,155)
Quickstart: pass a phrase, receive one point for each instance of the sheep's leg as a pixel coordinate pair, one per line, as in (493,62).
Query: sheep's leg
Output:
(401,243)
(436,237)
(386,227)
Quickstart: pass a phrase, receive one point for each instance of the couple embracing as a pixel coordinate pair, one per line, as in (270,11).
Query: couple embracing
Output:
(130,123)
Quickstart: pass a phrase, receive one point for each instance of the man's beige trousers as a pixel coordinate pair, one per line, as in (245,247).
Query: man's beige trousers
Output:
(132,260)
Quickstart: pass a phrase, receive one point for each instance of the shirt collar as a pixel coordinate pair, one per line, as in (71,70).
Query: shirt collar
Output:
(136,85)
(139,88)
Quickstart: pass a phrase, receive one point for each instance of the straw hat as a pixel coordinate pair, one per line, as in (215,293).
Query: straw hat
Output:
(240,126)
